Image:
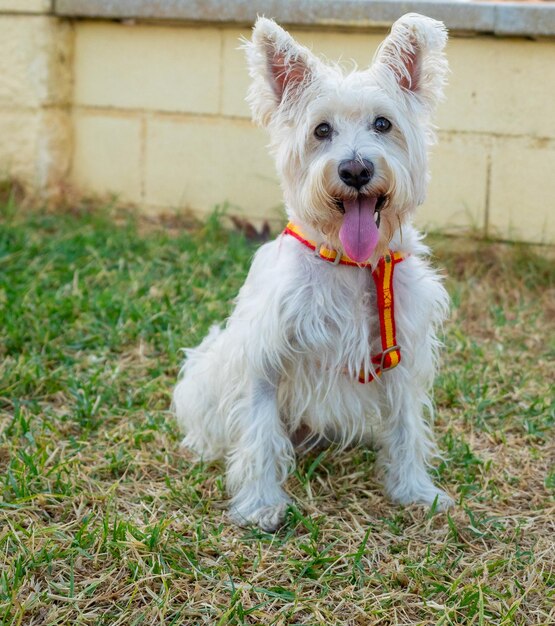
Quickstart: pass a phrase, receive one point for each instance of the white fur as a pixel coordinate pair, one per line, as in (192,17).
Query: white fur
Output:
(288,357)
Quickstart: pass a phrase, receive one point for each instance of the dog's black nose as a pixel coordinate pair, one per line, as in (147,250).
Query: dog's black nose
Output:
(356,173)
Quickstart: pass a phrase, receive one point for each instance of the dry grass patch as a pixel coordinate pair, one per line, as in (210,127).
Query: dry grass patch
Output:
(103,521)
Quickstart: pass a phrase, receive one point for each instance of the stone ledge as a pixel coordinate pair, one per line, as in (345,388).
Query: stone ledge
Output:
(498,18)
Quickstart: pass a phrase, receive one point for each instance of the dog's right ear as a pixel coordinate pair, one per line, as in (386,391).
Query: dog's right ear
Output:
(279,68)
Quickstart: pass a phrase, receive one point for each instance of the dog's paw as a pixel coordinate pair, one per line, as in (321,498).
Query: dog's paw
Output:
(197,450)
(441,501)
(268,518)
(427,494)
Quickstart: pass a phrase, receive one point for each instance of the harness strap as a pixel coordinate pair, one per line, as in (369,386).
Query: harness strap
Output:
(390,356)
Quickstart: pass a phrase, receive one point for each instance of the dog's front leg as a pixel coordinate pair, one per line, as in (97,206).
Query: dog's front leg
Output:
(260,460)
(407,447)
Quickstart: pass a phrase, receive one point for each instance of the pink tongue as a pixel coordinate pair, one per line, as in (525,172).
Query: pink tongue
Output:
(359,233)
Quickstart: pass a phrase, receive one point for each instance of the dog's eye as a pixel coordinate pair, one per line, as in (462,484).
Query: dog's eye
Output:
(323,130)
(382,125)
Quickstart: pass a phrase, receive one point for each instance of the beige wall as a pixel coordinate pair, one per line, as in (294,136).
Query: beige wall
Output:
(35,96)
(158,118)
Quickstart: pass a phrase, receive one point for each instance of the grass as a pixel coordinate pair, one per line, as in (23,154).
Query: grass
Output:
(104,522)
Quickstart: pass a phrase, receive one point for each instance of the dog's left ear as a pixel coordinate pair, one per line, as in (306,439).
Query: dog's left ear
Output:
(279,68)
(412,56)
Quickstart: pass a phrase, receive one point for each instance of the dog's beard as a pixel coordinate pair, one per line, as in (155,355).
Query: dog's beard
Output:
(322,206)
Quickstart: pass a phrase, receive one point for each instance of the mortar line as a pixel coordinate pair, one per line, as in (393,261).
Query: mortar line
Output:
(488,192)
(184,115)
(142,157)
(221,74)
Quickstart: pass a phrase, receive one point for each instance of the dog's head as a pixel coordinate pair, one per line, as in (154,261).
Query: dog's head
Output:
(351,150)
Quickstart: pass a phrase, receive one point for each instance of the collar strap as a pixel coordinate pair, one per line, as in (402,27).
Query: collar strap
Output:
(390,356)
(320,250)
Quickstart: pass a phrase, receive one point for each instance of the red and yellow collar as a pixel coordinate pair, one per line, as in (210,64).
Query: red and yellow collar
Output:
(327,254)
(390,356)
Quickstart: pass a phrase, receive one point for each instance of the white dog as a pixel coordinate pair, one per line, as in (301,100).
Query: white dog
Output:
(345,293)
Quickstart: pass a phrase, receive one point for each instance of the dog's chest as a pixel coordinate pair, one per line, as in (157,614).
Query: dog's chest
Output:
(337,325)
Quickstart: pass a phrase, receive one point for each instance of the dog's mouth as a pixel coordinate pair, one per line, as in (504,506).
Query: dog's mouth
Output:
(359,231)
(380,204)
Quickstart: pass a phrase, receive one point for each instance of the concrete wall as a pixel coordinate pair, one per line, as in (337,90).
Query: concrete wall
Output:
(35,95)
(151,111)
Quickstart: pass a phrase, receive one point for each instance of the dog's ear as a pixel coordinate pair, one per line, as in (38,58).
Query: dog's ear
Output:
(412,56)
(279,68)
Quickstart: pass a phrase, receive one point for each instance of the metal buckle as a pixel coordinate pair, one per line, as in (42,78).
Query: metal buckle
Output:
(384,354)
(317,249)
